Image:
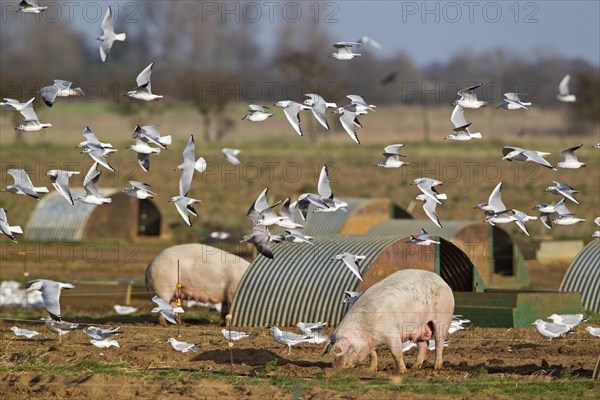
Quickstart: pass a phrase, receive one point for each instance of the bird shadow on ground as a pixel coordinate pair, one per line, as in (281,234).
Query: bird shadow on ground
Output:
(254,358)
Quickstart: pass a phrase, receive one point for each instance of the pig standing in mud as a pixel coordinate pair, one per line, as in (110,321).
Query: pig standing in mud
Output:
(206,274)
(411,304)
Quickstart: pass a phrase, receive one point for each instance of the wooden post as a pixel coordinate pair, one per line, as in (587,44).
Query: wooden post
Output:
(25,274)
(178,286)
(128,293)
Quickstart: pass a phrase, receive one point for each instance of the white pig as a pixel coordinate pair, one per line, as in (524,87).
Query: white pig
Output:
(206,274)
(410,304)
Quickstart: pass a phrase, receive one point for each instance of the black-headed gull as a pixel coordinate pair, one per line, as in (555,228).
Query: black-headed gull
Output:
(295,236)
(468,98)
(423,239)
(22,184)
(571,161)
(60,181)
(188,166)
(101,334)
(360,104)
(140,190)
(565,217)
(185,207)
(350,297)
(183,347)
(234,336)
(494,204)
(519,154)
(6,228)
(344,51)
(288,338)
(328,202)
(260,236)
(593,331)
(563,90)
(392,157)
(461,127)
(92,140)
(286,220)
(562,189)
(24,332)
(257,113)
(427,186)
(291,109)
(348,120)
(143,91)
(570,320)
(429,206)
(50,294)
(151,135)
(512,101)
(32,123)
(59,88)
(231,155)
(31,7)
(98,154)
(92,194)
(351,261)
(318,107)
(550,329)
(518,217)
(108,36)
(143,150)
(165,309)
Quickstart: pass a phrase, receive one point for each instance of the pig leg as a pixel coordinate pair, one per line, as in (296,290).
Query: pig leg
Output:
(422,352)
(438,334)
(399,358)
(373,362)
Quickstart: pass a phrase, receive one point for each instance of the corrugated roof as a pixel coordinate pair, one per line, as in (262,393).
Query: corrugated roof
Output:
(55,219)
(583,276)
(406,227)
(302,283)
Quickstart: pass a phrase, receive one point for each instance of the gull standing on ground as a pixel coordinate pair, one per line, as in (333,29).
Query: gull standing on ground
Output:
(60,181)
(257,113)
(143,91)
(513,102)
(344,51)
(291,109)
(494,204)
(22,184)
(563,90)
(288,338)
(571,161)
(188,166)
(6,228)
(140,190)
(468,98)
(31,7)
(593,331)
(351,261)
(166,310)
(318,107)
(392,157)
(234,336)
(183,347)
(562,189)
(124,310)
(92,194)
(185,207)
(59,88)
(429,206)
(50,294)
(105,343)
(423,239)
(231,155)
(570,320)
(59,327)
(461,127)
(550,329)
(518,154)
(24,332)
(108,35)
(143,150)
(150,134)
(427,186)
(32,123)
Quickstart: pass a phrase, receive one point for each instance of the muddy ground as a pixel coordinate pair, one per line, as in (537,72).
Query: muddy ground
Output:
(516,353)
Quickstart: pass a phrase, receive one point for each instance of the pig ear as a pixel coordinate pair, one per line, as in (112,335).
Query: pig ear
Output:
(340,347)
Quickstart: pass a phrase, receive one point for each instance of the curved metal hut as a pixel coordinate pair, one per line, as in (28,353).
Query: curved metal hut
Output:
(360,215)
(491,248)
(302,283)
(583,276)
(126,218)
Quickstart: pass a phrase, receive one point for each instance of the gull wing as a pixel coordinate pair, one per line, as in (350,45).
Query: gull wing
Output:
(142,186)
(323,187)
(468,91)
(143,79)
(495,200)
(562,209)
(569,153)
(347,121)
(429,208)
(107,23)
(392,149)
(351,264)
(536,158)
(27,111)
(513,97)
(91,188)
(563,86)
(458,116)
(292,113)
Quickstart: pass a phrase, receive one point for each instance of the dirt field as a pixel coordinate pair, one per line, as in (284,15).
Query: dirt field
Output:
(146,365)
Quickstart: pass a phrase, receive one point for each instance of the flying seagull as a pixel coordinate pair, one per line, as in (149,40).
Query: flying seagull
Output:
(188,166)
(344,51)
(6,228)
(22,184)
(461,127)
(32,123)
(50,294)
(59,88)
(60,181)
(468,98)
(143,91)
(108,36)
(563,90)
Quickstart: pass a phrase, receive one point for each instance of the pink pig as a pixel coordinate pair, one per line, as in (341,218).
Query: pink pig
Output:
(410,304)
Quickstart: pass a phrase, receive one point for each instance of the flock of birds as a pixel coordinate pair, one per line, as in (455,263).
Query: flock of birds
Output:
(261,215)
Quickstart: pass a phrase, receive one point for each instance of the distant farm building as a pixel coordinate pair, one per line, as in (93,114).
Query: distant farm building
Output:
(126,218)
(361,215)
(302,283)
(491,248)
(583,276)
